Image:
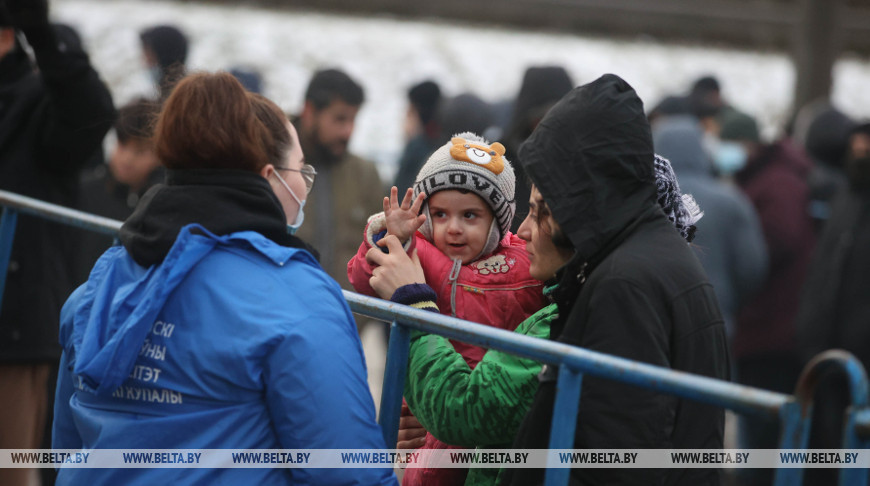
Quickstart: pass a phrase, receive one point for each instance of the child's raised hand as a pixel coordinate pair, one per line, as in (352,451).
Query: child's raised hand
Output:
(403,220)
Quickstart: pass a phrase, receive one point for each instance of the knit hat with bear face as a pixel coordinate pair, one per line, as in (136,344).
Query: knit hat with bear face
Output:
(468,162)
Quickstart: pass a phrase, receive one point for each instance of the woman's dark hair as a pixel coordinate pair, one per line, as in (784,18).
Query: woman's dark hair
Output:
(270,115)
(208,122)
(556,235)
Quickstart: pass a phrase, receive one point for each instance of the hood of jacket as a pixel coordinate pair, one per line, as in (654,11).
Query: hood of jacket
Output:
(591,157)
(106,322)
(221,201)
(680,140)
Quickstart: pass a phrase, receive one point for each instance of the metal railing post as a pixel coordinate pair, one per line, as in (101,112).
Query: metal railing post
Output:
(813,373)
(795,425)
(7,237)
(564,423)
(394,382)
(853,438)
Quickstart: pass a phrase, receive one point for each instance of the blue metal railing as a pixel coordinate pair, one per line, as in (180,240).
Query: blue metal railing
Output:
(793,411)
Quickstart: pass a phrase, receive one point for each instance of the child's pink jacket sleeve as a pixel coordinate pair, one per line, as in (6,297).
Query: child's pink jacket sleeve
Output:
(359,271)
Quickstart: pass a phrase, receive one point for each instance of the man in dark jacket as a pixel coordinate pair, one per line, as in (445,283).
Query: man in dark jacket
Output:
(633,289)
(834,310)
(51,122)
(348,187)
(764,347)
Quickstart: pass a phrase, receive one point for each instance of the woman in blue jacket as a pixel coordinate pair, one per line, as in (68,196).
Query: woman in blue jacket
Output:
(211,326)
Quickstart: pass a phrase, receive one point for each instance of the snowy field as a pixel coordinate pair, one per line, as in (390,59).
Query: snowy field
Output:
(387,55)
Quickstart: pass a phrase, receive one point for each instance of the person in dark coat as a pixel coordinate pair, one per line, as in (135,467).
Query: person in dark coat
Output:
(52,121)
(774,178)
(729,241)
(541,88)
(633,289)
(421,130)
(826,142)
(834,310)
(465,112)
(113,190)
(165,50)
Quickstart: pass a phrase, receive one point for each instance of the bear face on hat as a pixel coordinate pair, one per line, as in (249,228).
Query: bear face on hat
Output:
(488,156)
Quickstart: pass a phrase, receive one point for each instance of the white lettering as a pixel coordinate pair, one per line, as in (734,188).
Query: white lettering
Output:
(164,329)
(153,351)
(161,395)
(145,373)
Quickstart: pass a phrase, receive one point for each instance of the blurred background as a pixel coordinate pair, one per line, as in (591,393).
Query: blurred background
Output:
(768,55)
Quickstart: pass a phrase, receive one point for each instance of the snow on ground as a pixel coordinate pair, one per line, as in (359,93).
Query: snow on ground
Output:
(387,55)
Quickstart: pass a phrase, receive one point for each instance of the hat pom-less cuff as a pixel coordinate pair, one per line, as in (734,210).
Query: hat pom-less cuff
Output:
(376,228)
(375,224)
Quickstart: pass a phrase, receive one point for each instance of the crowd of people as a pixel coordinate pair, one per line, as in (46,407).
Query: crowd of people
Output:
(670,233)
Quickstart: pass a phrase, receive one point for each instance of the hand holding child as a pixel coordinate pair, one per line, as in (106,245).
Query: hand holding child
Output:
(403,220)
(411,432)
(394,269)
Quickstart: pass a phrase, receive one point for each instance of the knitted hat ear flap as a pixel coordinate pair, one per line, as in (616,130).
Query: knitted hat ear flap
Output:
(492,240)
(426,228)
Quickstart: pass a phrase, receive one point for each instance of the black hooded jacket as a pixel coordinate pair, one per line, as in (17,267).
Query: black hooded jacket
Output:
(634,289)
(52,122)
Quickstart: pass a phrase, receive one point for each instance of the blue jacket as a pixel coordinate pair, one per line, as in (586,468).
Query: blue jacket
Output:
(232,342)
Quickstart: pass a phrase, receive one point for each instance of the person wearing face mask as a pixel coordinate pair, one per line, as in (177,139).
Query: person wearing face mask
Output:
(277,123)
(774,177)
(164,49)
(729,244)
(834,310)
(212,326)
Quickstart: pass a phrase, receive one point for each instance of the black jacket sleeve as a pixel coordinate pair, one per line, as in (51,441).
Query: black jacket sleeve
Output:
(78,108)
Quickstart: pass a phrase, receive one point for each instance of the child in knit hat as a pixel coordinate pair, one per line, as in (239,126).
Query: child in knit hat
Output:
(458,219)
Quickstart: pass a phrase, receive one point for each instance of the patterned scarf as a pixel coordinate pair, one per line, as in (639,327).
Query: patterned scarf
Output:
(681,209)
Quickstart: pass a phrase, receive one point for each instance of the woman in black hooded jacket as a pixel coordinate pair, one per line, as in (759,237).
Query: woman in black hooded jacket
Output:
(633,289)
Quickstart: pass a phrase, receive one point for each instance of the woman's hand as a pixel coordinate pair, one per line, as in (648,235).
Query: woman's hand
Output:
(403,220)
(394,269)
(411,432)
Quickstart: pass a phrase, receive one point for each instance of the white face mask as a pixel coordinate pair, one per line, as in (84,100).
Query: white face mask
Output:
(300,216)
(730,157)
(156,75)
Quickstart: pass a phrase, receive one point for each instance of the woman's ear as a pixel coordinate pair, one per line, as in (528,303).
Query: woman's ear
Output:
(267,171)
